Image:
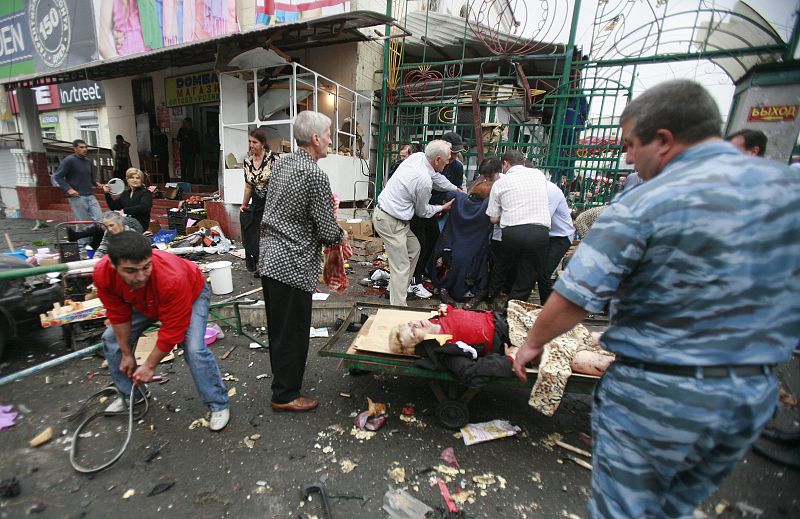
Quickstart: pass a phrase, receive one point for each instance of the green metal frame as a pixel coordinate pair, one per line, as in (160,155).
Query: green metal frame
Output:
(592,154)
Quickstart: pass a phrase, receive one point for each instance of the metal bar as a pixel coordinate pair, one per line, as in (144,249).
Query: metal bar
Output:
(379,162)
(35,271)
(49,364)
(683,56)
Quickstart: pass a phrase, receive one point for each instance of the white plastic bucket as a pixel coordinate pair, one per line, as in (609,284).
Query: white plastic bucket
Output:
(221,277)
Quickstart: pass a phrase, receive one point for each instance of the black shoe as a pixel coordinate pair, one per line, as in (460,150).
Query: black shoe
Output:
(72,235)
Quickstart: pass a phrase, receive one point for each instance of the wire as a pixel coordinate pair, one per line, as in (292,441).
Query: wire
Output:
(76,435)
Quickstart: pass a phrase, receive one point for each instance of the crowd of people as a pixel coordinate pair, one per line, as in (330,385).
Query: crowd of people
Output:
(695,263)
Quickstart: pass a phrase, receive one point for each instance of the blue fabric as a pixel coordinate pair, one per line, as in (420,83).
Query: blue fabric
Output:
(202,363)
(699,264)
(662,443)
(464,247)
(76,173)
(454,172)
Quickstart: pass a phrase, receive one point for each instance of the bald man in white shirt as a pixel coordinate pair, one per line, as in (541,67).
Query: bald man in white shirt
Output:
(407,194)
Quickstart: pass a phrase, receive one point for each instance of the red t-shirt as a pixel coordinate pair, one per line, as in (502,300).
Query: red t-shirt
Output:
(168,297)
(470,327)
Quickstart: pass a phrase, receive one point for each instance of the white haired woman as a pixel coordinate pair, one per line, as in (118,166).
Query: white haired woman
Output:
(115,223)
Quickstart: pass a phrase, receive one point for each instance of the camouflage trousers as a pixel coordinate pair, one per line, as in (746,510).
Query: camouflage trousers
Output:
(662,443)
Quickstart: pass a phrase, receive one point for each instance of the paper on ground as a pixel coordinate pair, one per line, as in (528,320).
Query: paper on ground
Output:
(319,296)
(483,432)
(318,332)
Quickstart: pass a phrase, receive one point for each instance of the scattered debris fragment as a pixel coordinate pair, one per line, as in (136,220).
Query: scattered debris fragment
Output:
(344,395)
(37,508)
(161,488)
(448,455)
(362,435)
(400,504)
(347,466)
(580,462)
(549,441)
(10,488)
(451,506)
(230,378)
(232,391)
(397,474)
(748,510)
(721,506)
(373,418)
(480,432)
(263,375)
(413,420)
(154,454)
(8,418)
(41,438)
(254,346)
(200,422)
(128,493)
(570,448)
(250,441)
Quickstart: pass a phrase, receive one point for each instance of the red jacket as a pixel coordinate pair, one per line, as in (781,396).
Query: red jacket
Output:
(168,297)
(472,328)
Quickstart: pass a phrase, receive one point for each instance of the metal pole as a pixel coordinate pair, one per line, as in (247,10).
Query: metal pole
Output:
(794,40)
(384,88)
(49,364)
(558,115)
(35,271)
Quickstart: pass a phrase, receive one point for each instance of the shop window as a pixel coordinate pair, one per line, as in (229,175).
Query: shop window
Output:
(88,125)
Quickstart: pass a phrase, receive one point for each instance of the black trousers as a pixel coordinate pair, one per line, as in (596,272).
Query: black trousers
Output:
(427,232)
(557,247)
(523,256)
(288,322)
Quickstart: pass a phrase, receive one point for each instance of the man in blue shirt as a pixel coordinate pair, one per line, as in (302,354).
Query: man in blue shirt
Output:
(74,175)
(699,268)
(561,232)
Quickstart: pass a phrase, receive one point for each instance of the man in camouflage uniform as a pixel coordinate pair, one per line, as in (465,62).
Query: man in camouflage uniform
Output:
(699,265)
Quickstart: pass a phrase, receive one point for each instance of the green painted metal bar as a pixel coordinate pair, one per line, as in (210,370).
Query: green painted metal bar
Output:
(36,271)
(683,56)
(379,161)
(556,132)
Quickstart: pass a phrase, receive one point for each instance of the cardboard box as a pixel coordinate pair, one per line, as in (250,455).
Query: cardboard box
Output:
(202,224)
(360,228)
(366,250)
(154,226)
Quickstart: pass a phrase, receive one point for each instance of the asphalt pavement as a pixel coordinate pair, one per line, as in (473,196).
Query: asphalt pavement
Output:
(260,465)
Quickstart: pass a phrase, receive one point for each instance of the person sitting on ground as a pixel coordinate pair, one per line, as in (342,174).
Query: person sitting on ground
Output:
(749,142)
(115,223)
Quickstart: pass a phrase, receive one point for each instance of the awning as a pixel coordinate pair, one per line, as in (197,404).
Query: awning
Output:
(329,30)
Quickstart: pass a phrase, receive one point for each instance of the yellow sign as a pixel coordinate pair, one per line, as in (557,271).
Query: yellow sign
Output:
(766,113)
(192,89)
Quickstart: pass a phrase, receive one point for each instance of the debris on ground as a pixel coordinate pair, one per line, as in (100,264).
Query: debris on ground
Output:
(373,418)
(413,420)
(571,448)
(129,493)
(481,432)
(399,504)
(451,506)
(199,423)
(161,488)
(232,392)
(448,455)
(250,441)
(41,438)
(551,440)
(721,506)
(748,510)
(10,488)
(347,466)
(397,474)
(8,418)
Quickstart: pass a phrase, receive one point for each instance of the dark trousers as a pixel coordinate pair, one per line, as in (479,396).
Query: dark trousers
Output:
(288,322)
(523,256)
(187,167)
(556,248)
(427,232)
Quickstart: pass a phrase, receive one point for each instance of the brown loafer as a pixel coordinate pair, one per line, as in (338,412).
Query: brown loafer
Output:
(300,404)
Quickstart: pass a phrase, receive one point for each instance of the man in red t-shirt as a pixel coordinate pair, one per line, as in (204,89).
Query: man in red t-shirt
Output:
(139,286)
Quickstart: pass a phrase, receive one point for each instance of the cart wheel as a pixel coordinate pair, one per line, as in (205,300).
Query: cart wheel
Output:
(452,414)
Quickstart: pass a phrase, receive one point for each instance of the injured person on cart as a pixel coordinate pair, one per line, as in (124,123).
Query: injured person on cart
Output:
(476,347)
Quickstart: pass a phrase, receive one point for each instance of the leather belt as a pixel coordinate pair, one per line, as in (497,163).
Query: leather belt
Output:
(387,214)
(747,370)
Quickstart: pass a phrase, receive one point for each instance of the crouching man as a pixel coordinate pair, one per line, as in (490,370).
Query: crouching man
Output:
(139,286)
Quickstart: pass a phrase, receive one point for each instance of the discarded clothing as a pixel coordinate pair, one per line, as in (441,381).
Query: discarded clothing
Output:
(8,418)
(473,373)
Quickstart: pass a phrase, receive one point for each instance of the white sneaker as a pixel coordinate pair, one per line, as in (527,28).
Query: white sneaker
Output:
(120,406)
(419,291)
(219,419)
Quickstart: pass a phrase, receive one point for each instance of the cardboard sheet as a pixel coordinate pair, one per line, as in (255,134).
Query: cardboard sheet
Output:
(146,344)
(374,335)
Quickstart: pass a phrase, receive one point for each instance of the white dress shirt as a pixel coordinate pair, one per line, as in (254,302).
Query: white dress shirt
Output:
(520,198)
(408,191)
(560,217)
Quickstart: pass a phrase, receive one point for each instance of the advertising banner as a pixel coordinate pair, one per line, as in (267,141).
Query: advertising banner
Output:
(126,27)
(271,12)
(192,89)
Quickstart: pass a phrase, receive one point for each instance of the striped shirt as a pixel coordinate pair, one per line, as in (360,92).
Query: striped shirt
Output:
(699,264)
(519,198)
